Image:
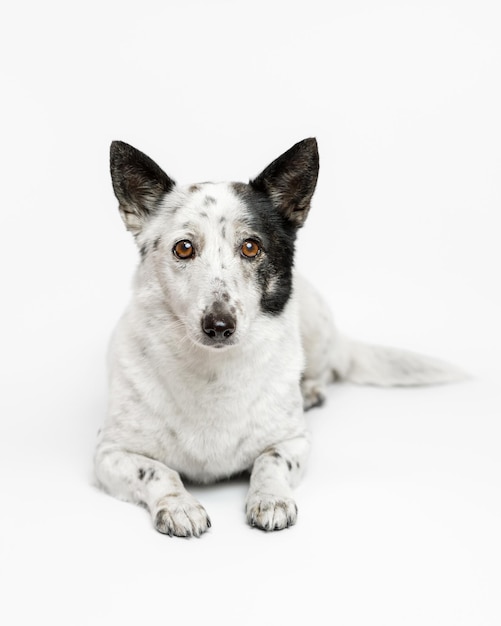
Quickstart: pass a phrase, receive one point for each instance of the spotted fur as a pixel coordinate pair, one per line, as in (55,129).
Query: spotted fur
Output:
(218,352)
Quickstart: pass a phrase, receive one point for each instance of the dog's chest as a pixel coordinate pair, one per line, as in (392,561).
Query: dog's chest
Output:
(217,420)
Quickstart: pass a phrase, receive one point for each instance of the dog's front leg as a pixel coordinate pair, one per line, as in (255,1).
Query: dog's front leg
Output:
(137,478)
(270,505)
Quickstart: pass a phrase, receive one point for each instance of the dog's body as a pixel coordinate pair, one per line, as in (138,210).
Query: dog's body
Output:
(223,346)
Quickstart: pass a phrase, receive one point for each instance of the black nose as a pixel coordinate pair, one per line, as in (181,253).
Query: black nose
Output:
(219,326)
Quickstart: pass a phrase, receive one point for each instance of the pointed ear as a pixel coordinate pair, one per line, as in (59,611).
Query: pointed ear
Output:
(291,179)
(139,184)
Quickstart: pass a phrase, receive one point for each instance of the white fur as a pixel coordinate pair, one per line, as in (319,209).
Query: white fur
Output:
(178,407)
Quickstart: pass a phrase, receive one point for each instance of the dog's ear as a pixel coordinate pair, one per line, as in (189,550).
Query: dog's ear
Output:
(138,182)
(291,179)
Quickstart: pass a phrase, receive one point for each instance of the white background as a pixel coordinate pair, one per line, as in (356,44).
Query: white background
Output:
(400,510)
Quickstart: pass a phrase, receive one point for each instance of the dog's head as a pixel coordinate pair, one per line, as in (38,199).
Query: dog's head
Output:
(221,253)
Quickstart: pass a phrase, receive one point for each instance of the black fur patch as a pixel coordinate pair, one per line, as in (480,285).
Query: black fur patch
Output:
(278,236)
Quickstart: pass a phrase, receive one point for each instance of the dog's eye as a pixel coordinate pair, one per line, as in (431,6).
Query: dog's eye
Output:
(183,249)
(250,248)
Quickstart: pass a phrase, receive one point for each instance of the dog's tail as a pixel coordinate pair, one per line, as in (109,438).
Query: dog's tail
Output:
(367,364)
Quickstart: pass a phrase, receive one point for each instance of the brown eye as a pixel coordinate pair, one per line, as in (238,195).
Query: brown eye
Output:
(250,248)
(184,249)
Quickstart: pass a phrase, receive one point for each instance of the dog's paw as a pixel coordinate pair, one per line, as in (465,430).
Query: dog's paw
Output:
(269,512)
(313,394)
(180,515)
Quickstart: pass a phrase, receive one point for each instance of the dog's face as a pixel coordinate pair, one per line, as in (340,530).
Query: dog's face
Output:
(222,253)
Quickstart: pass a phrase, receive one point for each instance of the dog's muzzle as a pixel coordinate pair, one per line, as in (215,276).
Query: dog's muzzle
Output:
(219,324)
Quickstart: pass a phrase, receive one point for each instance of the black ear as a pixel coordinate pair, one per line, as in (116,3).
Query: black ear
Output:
(291,179)
(139,184)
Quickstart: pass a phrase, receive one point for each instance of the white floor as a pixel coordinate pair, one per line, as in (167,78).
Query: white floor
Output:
(400,509)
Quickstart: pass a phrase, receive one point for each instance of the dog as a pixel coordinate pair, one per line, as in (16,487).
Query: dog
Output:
(223,346)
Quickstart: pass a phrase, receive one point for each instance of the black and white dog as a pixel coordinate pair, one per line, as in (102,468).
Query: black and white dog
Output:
(223,346)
